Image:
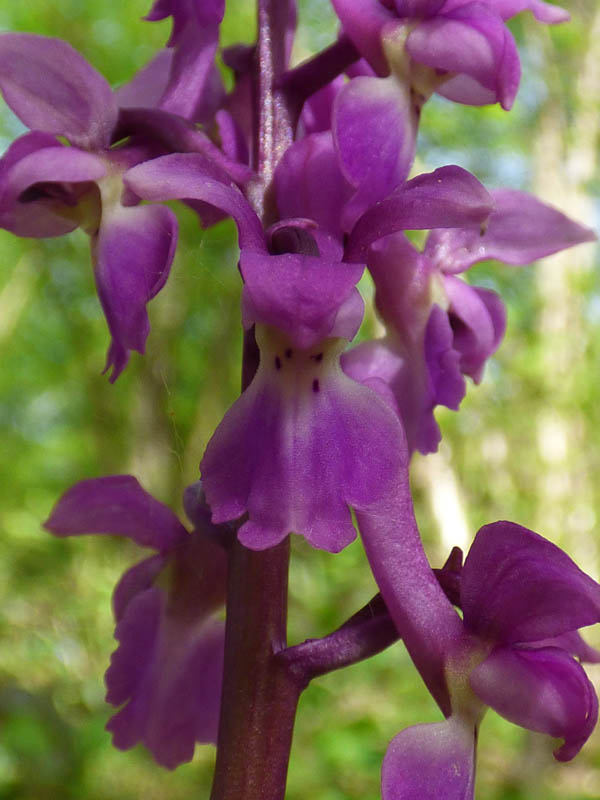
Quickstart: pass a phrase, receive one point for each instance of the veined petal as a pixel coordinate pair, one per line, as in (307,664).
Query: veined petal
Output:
(52,88)
(430,762)
(543,689)
(448,197)
(132,252)
(520,230)
(302,445)
(375,133)
(116,504)
(518,587)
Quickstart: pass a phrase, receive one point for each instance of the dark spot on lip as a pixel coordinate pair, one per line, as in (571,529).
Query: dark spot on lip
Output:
(315,385)
(277,363)
(289,352)
(318,358)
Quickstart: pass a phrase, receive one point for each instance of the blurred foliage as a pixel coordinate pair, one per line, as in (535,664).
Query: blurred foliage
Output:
(524,445)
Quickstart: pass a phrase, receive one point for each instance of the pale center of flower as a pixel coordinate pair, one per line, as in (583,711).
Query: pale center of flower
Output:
(297,372)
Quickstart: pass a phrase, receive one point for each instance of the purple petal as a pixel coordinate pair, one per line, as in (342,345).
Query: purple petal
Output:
(178,135)
(135,581)
(195,89)
(316,112)
(116,504)
(375,133)
(573,643)
(478,320)
(386,367)
(520,230)
(420,9)
(518,587)
(52,88)
(544,690)
(147,86)
(543,12)
(309,182)
(280,291)
(301,445)
(132,254)
(186,12)
(191,176)
(448,197)
(170,675)
(35,198)
(430,762)
(443,361)
(363,21)
(471,41)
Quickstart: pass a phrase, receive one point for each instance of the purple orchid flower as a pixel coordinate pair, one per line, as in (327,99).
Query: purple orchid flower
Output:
(48,189)
(459,48)
(166,672)
(523,600)
(303,443)
(439,328)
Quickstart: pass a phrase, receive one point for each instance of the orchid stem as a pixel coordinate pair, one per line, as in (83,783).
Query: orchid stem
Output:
(260,694)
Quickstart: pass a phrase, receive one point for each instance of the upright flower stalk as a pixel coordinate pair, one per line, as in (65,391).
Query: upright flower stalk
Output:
(312,164)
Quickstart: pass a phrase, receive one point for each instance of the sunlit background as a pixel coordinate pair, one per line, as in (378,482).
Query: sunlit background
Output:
(525,445)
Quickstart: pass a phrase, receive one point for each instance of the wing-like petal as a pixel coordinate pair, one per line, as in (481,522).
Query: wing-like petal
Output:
(116,504)
(52,88)
(518,587)
(544,690)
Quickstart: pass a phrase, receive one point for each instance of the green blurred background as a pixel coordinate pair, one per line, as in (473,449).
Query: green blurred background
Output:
(525,445)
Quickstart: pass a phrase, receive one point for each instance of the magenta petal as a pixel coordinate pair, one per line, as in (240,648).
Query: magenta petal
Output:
(132,253)
(280,291)
(51,88)
(146,87)
(309,182)
(115,504)
(448,197)
(544,690)
(430,762)
(135,581)
(37,158)
(478,319)
(574,643)
(518,587)
(443,361)
(363,21)
(169,673)
(375,136)
(191,176)
(520,230)
(471,41)
(543,12)
(300,446)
